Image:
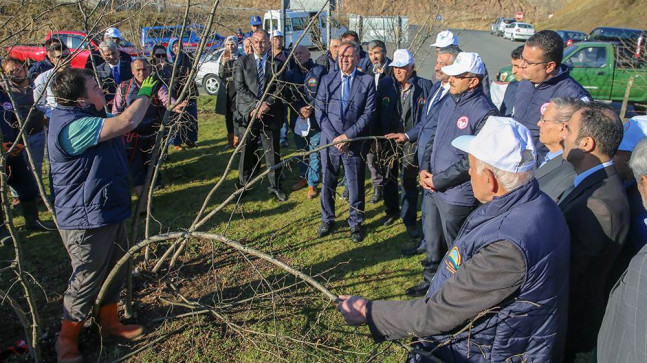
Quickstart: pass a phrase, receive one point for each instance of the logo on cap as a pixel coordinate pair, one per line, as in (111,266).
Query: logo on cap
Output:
(7,106)
(543,107)
(627,125)
(462,122)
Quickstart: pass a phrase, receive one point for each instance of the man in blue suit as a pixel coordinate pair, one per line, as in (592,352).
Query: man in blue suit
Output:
(344,109)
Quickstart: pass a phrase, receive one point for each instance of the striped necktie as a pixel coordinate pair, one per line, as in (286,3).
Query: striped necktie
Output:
(260,71)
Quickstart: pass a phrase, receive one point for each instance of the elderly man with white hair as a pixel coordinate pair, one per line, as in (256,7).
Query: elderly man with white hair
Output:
(624,328)
(502,290)
(114,70)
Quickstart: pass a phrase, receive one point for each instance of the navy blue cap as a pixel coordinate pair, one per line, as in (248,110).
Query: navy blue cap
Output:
(255,20)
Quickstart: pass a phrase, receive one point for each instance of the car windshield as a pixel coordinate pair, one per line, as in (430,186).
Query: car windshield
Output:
(524,26)
(568,51)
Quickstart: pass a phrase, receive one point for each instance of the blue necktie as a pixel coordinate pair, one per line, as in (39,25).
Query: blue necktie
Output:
(115,74)
(261,76)
(345,94)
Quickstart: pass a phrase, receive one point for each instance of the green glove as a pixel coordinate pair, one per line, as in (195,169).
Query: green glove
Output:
(148,86)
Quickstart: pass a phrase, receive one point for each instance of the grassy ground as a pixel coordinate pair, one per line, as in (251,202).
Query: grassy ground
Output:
(281,319)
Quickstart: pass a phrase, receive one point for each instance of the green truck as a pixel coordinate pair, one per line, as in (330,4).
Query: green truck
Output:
(604,69)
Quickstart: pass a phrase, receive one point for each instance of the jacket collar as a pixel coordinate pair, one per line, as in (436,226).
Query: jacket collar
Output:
(467,95)
(561,75)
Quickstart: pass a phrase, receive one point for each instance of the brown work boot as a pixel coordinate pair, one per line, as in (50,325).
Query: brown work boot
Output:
(67,344)
(312,192)
(302,183)
(111,327)
(230,141)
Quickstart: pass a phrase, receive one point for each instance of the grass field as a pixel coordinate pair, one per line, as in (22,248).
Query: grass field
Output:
(280,319)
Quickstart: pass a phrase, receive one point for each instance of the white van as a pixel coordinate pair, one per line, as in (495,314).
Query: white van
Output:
(296,22)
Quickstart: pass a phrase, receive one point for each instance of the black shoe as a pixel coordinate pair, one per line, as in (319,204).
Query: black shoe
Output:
(413,232)
(377,195)
(417,250)
(356,234)
(40,226)
(418,290)
(240,186)
(345,194)
(278,193)
(390,219)
(325,228)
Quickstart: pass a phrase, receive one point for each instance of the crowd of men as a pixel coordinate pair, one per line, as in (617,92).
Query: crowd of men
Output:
(531,212)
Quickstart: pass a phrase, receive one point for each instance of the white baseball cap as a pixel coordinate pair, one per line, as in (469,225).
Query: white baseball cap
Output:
(503,143)
(112,33)
(401,58)
(444,39)
(277,33)
(465,62)
(635,130)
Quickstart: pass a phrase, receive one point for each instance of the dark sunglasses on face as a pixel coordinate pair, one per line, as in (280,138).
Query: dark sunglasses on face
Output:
(159,55)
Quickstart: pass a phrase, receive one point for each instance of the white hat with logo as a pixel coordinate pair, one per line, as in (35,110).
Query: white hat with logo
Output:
(277,33)
(465,62)
(635,130)
(444,39)
(503,143)
(401,58)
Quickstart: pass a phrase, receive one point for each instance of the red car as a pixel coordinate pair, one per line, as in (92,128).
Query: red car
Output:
(74,40)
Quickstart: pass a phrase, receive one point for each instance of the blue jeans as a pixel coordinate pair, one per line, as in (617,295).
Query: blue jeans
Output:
(311,169)
(314,171)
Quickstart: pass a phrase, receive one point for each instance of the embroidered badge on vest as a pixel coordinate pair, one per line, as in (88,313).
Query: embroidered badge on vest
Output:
(453,260)
(386,101)
(312,82)
(7,106)
(543,107)
(462,122)
(421,102)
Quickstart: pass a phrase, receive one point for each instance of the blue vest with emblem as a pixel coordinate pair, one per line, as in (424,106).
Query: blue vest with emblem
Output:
(458,116)
(91,189)
(531,325)
(8,122)
(531,101)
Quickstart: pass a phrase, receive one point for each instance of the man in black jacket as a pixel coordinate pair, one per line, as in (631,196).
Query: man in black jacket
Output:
(401,99)
(252,75)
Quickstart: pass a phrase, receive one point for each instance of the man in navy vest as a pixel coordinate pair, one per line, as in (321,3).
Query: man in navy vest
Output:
(597,212)
(544,78)
(444,175)
(92,199)
(501,292)
(422,134)
(402,104)
(344,109)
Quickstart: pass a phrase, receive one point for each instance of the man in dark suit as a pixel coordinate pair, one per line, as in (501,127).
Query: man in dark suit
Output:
(252,75)
(597,213)
(623,330)
(344,109)
(114,70)
(554,173)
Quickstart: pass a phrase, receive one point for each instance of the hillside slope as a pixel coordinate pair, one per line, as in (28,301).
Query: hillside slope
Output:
(585,15)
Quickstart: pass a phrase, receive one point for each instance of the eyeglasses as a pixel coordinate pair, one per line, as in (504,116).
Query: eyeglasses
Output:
(160,55)
(525,61)
(543,120)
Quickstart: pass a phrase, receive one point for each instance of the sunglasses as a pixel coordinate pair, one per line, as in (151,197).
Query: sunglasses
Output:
(160,55)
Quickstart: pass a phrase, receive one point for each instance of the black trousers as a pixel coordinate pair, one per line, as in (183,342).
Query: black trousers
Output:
(441,225)
(248,160)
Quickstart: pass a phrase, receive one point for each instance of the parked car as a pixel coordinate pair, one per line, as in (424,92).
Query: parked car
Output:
(604,69)
(73,40)
(571,36)
(498,26)
(518,31)
(208,68)
(190,39)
